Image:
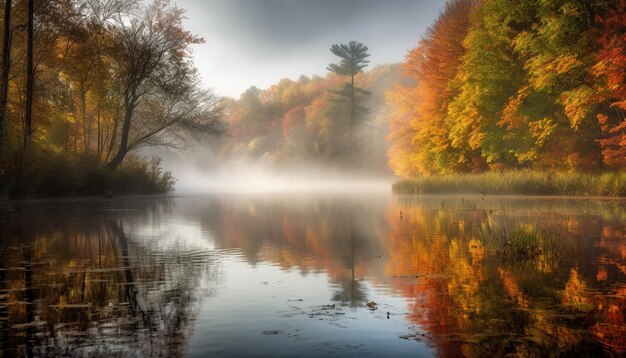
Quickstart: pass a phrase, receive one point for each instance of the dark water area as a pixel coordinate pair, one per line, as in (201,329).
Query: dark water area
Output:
(310,275)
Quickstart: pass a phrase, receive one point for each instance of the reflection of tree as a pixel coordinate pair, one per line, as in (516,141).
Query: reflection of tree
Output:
(313,235)
(131,291)
(350,289)
(479,305)
(81,285)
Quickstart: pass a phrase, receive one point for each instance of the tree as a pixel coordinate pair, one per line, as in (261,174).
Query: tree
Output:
(150,56)
(489,75)
(610,73)
(353,59)
(4,80)
(420,135)
(30,76)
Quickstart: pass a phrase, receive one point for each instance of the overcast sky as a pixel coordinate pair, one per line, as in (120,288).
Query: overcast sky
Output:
(258,42)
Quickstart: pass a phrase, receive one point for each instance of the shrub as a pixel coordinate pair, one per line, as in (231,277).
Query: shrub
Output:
(46,174)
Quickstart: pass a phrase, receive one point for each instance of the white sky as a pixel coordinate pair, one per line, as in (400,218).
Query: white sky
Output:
(258,42)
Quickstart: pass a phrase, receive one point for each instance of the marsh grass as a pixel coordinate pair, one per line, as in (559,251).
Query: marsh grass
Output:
(517,242)
(518,183)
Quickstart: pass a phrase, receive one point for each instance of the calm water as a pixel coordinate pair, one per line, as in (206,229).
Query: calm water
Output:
(287,275)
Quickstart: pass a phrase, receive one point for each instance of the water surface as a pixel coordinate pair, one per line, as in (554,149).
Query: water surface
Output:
(310,275)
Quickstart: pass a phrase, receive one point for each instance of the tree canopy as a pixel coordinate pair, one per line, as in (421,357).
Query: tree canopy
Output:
(348,97)
(502,85)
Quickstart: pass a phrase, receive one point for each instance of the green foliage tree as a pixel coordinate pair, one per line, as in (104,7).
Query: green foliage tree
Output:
(353,60)
(490,74)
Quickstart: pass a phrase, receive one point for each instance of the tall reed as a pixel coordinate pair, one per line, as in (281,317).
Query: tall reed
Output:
(518,183)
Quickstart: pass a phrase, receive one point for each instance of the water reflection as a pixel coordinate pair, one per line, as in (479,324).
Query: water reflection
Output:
(75,283)
(336,235)
(477,304)
(197,276)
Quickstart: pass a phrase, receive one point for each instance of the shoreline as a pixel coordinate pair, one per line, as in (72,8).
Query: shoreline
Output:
(519,183)
(465,195)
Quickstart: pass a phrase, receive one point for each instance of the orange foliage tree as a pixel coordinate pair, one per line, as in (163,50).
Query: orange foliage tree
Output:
(501,85)
(610,69)
(419,131)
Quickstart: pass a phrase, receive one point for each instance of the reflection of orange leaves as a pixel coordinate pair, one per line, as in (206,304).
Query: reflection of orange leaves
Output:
(602,274)
(615,315)
(610,330)
(611,239)
(611,336)
(512,288)
(575,289)
(612,232)
(313,242)
(563,334)
(477,250)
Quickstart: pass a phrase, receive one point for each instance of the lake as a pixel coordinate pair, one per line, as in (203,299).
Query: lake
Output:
(311,275)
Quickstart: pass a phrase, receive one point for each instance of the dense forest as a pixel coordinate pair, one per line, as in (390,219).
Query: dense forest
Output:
(508,85)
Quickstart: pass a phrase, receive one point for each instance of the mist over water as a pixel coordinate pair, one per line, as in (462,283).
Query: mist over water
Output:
(248,176)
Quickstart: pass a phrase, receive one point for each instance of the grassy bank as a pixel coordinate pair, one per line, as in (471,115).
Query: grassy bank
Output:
(518,183)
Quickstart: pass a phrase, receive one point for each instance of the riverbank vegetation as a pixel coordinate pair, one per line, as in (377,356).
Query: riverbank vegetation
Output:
(50,175)
(504,86)
(517,183)
(87,84)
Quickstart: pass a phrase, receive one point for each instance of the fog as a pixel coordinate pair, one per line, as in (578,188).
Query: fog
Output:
(282,47)
(204,172)
(292,137)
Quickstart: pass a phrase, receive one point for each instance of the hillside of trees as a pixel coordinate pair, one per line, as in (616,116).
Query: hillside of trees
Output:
(296,122)
(509,85)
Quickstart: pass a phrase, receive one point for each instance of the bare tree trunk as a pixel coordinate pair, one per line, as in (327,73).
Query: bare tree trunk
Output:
(351,116)
(4,80)
(83,114)
(30,77)
(99,133)
(123,149)
(112,136)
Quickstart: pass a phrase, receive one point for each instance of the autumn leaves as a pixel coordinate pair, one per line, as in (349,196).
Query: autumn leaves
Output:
(502,85)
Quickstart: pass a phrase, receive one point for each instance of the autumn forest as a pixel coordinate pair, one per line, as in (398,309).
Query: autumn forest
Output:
(491,86)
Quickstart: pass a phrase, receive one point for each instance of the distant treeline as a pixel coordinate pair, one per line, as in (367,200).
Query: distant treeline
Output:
(514,84)
(296,122)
